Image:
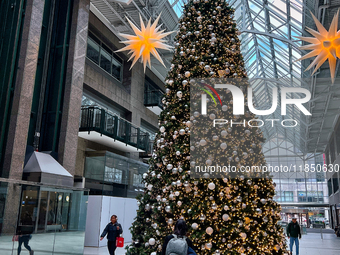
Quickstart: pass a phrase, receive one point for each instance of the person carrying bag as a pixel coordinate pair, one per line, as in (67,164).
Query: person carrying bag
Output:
(113,230)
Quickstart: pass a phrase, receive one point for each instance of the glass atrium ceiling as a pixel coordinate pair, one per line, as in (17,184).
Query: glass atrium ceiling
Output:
(270,50)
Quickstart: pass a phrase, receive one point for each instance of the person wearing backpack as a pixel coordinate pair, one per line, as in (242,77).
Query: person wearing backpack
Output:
(294,233)
(178,243)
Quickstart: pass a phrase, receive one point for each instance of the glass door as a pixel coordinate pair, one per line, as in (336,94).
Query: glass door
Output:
(66,199)
(54,212)
(42,219)
(28,210)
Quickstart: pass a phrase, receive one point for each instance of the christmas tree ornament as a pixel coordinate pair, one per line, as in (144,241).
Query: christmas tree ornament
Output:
(225,217)
(202,217)
(209,230)
(194,226)
(243,235)
(211,186)
(152,241)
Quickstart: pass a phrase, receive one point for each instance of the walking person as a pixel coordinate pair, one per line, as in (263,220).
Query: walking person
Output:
(25,232)
(294,233)
(178,243)
(24,239)
(112,230)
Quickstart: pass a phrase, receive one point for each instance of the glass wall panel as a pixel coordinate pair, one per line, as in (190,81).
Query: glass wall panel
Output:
(95,167)
(113,175)
(49,220)
(116,68)
(330,188)
(335,182)
(103,56)
(105,61)
(296,186)
(92,50)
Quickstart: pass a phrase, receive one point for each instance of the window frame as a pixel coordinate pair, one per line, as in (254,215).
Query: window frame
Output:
(103,46)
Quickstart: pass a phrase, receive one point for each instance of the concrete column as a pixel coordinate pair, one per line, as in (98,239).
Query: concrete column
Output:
(137,92)
(11,209)
(74,85)
(23,93)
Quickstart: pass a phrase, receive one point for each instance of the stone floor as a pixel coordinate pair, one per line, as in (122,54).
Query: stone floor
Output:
(45,243)
(310,244)
(64,243)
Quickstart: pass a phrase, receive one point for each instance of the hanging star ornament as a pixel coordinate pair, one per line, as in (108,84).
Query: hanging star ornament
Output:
(145,41)
(325,45)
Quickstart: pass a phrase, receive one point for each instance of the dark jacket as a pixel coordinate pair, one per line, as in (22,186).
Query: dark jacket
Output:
(293,230)
(168,238)
(25,230)
(112,232)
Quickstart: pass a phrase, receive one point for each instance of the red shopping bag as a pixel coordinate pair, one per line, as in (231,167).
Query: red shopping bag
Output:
(120,242)
(15,238)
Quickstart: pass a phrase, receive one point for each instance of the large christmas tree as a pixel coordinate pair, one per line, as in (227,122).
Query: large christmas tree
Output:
(224,215)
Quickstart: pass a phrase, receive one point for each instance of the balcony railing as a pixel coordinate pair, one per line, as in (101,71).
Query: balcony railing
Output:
(96,119)
(153,98)
(149,151)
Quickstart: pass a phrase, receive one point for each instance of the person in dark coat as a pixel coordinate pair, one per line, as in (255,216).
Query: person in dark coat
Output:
(294,233)
(112,230)
(25,233)
(180,230)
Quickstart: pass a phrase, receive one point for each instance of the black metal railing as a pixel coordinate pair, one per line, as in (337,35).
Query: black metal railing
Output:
(153,98)
(96,119)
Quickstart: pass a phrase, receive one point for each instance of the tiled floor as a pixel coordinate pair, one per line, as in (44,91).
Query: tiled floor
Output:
(103,251)
(310,244)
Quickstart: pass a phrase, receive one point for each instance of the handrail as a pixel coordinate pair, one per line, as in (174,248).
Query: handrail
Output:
(94,118)
(111,113)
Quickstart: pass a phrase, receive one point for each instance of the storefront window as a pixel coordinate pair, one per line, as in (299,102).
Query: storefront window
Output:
(51,216)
